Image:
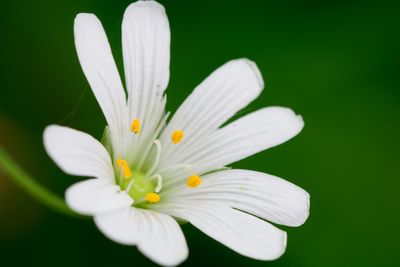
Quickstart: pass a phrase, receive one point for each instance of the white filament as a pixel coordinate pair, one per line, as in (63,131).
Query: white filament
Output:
(159,182)
(157,158)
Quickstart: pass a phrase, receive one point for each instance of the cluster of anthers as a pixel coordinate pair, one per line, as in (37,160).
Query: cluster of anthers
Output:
(141,186)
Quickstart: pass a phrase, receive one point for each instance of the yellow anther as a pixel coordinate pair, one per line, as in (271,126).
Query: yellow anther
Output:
(177,136)
(152,197)
(194,181)
(121,163)
(135,126)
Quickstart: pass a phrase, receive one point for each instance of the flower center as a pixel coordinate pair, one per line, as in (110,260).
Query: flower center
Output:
(144,185)
(138,187)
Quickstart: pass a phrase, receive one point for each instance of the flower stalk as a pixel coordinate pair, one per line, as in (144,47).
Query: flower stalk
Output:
(11,169)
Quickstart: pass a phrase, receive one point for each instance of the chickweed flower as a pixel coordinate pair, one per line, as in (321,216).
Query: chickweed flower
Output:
(150,172)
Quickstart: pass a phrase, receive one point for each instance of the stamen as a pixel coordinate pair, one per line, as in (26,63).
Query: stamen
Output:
(159,182)
(193,181)
(156,133)
(135,126)
(157,159)
(177,136)
(122,164)
(152,197)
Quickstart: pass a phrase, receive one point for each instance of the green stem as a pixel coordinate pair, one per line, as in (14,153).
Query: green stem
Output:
(26,182)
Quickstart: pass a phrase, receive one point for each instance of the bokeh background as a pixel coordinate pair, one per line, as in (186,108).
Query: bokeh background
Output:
(335,62)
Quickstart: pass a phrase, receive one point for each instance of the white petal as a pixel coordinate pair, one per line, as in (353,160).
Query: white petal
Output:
(157,235)
(120,225)
(146,51)
(265,196)
(162,239)
(101,72)
(77,153)
(244,137)
(226,91)
(96,196)
(241,232)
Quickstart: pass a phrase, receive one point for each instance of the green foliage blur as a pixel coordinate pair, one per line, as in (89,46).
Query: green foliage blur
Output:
(336,63)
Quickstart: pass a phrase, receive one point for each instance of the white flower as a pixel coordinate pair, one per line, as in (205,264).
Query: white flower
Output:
(149,173)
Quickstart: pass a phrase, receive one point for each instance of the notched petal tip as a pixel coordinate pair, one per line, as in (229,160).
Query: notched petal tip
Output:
(84,22)
(48,130)
(49,134)
(144,7)
(300,120)
(84,15)
(252,67)
(304,210)
(294,121)
(274,252)
(255,70)
(281,249)
(85,18)
(300,207)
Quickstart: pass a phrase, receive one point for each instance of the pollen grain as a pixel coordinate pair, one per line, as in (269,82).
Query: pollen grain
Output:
(194,181)
(177,136)
(123,164)
(152,197)
(135,126)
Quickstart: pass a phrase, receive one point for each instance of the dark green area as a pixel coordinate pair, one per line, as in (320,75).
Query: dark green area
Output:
(336,63)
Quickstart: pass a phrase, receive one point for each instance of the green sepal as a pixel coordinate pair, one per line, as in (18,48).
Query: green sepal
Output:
(181,221)
(106,140)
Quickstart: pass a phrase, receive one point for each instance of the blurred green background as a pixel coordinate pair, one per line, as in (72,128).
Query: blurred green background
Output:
(335,62)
